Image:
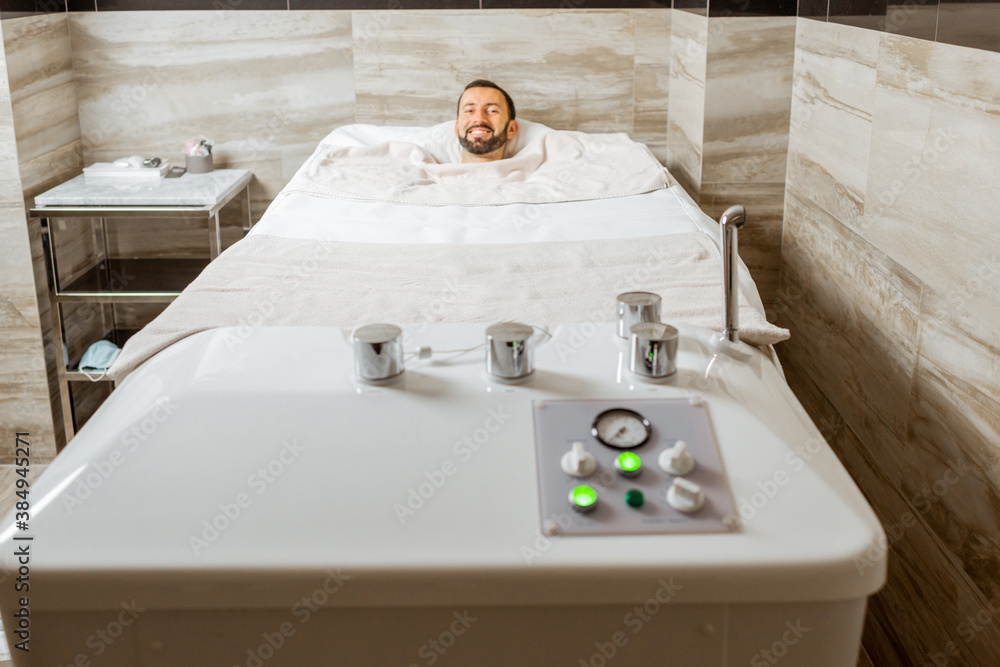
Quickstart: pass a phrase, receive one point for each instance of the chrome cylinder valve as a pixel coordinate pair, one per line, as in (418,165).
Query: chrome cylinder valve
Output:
(654,350)
(509,350)
(378,352)
(635,307)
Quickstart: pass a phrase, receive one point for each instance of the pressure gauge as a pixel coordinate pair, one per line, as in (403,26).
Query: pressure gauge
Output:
(621,428)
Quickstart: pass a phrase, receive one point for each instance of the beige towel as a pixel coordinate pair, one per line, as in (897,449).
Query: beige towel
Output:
(267,280)
(558,167)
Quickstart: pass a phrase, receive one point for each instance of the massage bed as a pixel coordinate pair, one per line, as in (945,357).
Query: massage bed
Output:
(244,497)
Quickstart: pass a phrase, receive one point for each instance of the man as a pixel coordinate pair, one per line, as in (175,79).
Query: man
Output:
(485,121)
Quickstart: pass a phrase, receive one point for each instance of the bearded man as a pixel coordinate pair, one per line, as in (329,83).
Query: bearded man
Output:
(486,121)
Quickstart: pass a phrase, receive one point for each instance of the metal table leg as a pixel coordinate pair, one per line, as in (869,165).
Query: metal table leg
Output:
(214,236)
(248,224)
(57,333)
(61,361)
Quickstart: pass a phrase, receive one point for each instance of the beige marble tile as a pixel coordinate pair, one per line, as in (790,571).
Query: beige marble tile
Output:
(953,465)
(686,112)
(934,168)
(44,112)
(16,272)
(833,93)
(579,77)
(760,238)
(927,598)
(10,178)
(24,392)
(652,79)
(748,89)
(853,314)
(271,172)
(43,94)
(253,82)
(652,84)
(652,36)
(51,168)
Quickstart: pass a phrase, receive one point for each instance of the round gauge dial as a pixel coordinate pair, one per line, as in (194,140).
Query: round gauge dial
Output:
(621,428)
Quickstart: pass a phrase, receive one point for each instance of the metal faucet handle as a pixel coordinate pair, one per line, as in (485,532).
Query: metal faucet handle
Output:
(635,307)
(378,352)
(734,215)
(654,350)
(509,350)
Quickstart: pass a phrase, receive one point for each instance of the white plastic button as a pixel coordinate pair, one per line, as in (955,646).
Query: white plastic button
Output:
(676,460)
(578,462)
(685,496)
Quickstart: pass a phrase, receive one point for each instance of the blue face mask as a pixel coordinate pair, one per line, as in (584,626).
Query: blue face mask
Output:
(99,356)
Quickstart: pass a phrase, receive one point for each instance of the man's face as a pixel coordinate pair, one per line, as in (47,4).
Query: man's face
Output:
(483,125)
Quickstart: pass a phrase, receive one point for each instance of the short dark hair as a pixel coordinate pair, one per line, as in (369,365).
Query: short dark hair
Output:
(483,83)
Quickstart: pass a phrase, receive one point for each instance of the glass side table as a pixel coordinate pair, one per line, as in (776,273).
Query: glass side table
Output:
(151,280)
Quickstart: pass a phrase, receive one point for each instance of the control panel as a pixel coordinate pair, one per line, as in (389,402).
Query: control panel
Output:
(611,467)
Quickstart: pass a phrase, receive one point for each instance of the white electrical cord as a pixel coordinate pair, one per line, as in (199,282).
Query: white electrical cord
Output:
(426,352)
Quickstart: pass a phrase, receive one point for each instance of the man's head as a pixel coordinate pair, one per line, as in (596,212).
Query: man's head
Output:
(486,121)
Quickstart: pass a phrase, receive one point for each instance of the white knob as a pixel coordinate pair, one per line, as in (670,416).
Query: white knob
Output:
(677,460)
(578,462)
(685,496)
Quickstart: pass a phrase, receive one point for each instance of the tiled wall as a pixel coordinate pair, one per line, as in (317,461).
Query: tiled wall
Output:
(890,258)
(25,390)
(264,87)
(971,23)
(727,132)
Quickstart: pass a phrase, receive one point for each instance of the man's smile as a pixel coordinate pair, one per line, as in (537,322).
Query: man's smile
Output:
(478,131)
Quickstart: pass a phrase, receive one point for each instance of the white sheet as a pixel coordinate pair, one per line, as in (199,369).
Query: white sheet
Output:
(669,211)
(305,217)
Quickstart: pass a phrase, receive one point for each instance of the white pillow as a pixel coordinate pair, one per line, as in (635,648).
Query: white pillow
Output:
(438,140)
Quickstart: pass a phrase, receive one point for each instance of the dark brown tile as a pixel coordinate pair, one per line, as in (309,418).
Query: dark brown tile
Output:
(814,9)
(188,5)
(383,4)
(858,13)
(752,7)
(972,24)
(698,7)
(911,18)
(17,8)
(575,4)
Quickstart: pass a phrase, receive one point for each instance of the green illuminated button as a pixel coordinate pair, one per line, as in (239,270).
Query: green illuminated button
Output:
(583,498)
(633,498)
(628,464)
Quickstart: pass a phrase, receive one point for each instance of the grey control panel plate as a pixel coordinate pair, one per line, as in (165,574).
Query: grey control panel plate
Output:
(558,424)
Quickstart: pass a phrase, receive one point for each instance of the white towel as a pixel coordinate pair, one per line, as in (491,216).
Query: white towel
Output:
(268,280)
